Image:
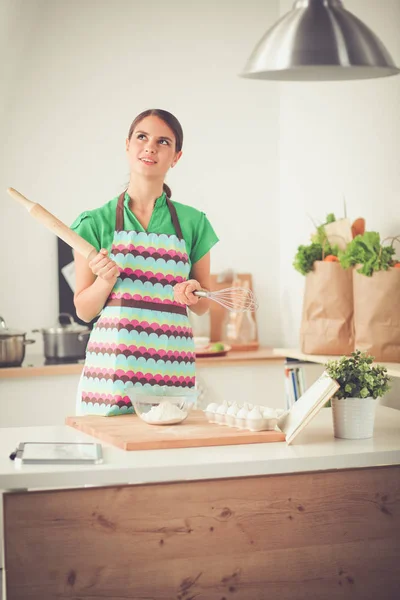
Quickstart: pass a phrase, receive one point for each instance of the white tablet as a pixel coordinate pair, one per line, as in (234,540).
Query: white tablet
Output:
(70,453)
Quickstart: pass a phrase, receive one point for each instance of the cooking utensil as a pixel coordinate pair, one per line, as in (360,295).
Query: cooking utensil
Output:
(55,225)
(12,346)
(65,340)
(235,299)
(238,299)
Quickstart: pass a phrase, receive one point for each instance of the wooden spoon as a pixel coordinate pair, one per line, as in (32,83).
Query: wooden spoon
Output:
(55,225)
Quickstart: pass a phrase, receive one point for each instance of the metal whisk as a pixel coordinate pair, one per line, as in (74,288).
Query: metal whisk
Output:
(234,299)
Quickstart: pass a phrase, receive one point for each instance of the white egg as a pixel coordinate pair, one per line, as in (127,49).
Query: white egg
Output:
(232,410)
(269,413)
(242,413)
(255,413)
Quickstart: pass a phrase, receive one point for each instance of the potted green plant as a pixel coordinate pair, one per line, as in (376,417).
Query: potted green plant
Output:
(361,386)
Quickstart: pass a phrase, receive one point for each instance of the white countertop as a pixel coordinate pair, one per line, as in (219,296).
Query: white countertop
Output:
(315,449)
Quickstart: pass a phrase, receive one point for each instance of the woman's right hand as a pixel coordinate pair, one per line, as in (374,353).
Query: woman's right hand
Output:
(102,266)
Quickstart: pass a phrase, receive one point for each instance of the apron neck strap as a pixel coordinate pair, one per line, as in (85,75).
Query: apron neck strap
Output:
(119,220)
(175,220)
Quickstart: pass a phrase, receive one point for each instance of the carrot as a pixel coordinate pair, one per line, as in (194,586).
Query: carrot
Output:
(331,258)
(397,265)
(358,227)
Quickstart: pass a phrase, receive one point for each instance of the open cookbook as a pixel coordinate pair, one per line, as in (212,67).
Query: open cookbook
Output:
(307,406)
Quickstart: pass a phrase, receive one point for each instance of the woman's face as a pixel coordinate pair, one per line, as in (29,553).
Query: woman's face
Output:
(151,149)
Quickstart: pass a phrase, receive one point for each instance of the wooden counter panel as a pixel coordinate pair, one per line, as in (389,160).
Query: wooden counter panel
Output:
(328,535)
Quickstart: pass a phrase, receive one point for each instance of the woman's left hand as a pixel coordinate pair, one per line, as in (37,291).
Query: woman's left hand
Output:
(183,292)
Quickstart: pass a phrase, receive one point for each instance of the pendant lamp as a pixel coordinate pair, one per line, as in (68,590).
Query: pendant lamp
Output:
(319,40)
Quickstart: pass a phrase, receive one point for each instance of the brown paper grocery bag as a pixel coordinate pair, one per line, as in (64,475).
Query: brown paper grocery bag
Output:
(377,314)
(327,319)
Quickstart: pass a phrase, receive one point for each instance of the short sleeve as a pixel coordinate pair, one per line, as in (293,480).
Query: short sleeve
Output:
(85,226)
(204,239)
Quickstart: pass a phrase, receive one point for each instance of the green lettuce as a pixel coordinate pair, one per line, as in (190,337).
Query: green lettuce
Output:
(366,250)
(307,255)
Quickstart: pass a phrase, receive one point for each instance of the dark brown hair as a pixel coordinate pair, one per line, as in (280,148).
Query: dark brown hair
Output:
(172,123)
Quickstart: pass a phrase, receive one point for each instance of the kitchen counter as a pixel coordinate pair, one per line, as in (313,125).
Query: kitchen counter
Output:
(317,519)
(37,366)
(315,449)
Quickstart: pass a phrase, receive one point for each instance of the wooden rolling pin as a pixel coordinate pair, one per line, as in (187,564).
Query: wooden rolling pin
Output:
(55,225)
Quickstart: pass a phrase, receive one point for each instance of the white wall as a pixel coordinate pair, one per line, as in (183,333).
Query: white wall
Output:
(18,22)
(338,139)
(89,67)
(258,156)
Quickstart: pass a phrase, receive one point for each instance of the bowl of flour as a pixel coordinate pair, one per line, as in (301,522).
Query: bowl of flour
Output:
(167,407)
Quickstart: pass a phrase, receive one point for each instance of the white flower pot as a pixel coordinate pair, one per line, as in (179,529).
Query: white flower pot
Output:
(353,418)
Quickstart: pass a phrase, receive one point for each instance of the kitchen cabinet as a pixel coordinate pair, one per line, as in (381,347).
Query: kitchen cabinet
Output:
(45,394)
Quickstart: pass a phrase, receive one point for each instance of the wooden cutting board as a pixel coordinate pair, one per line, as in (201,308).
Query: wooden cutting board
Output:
(129,432)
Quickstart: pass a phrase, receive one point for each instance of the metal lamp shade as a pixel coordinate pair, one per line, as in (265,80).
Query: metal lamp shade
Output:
(318,40)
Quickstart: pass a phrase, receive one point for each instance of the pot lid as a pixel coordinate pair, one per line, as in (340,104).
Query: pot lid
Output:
(5,332)
(71,327)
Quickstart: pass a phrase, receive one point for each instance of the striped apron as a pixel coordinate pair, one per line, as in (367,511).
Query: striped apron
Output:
(142,338)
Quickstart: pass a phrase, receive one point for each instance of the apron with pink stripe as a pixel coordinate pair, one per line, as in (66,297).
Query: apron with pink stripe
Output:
(143,337)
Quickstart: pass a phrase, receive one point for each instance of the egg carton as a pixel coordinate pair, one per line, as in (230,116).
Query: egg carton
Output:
(244,417)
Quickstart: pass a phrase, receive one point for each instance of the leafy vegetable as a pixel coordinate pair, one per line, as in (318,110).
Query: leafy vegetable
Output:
(317,250)
(366,250)
(307,255)
(357,377)
(320,236)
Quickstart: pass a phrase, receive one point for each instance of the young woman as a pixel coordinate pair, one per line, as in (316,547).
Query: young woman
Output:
(153,254)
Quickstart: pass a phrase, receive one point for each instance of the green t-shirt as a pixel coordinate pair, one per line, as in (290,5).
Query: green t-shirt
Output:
(97,226)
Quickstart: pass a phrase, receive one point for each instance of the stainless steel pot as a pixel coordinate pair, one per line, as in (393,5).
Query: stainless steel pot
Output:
(12,346)
(65,341)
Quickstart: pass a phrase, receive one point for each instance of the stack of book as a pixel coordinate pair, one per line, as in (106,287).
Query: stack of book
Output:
(295,384)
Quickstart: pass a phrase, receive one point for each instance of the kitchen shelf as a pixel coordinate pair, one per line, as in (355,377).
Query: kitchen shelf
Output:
(392,368)
(35,366)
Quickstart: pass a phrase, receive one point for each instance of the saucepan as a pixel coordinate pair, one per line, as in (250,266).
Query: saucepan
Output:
(65,340)
(12,346)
